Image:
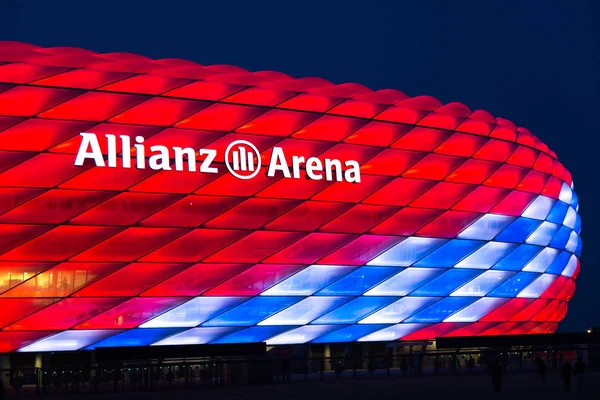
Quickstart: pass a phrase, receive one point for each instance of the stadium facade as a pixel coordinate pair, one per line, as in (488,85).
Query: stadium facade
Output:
(162,202)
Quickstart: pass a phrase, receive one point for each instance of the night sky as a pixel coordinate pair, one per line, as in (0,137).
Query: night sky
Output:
(536,63)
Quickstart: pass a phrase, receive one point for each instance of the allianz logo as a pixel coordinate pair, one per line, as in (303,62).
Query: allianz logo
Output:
(242,159)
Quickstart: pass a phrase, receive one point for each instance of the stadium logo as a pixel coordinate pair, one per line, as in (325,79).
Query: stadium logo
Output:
(242,159)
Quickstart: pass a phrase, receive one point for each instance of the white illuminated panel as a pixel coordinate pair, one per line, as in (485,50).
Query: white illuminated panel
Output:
(309,280)
(566,194)
(68,341)
(194,312)
(483,284)
(403,283)
(392,333)
(570,218)
(303,334)
(571,266)
(543,234)
(487,255)
(196,336)
(537,287)
(477,310)
(399,310)
(539,208)
(542,261)
(486,227)
(573,242)
(305,311)
(407,252)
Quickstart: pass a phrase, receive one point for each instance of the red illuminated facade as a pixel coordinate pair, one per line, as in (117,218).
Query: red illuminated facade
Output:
(461,224)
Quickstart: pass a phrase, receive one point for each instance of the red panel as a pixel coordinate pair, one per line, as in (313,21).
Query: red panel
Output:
(71,146)
(13,235)
(439,120)
(505,133)
(132,313)
(449,224)
(294,188)
(130,244)
(62,280)
(523,329)
(174,137)
(25,73)
(377,133)
(47,133)
(252,213)
(188,249)
(473,329)
(500,329)
(482,199)
(406,115)
(544,315)
(475,127)
(93,106)
(125,209)
(310,102)
(11,341)
(64,314)
(544,163)
(296,147)
(352,192)
(159,111)
(60,243)
(7,122)
(361,250)
(229,185)
(506,310)
(13,273)
(27,101)
(533,182)
(254,280)
(559,313)
(433,166)
(554,289)
(9,159)
(552,188)
(359,219)
(523,157)
(12,197)
(344,152)
(507,176)
(15,309)
(262,143)
(277,123)
(259,96)
(434,331)
(329,127)
(55,206)
(399,192)
(83,79)
(183,182)
(145,84)
(526,313)
(567,291)
(356,108)
(256,247)
(221,117)
(495,150)
(443,195)
(310,248)
(118,178)
(391,162)
(514,204)
(50,170)
(308,216)
(472,171)
(191,211)
(205,90)
(460,144)
(195,280)
(421,139)
(130,280)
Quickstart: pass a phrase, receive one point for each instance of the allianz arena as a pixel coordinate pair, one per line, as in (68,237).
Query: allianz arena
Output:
(369,216)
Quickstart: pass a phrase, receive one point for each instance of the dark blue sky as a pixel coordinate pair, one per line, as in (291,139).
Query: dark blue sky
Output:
(536,63)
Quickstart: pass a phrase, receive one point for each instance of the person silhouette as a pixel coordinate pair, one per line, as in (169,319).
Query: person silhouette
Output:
(496,372)
(541,368)
(580,368)
(566,372)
